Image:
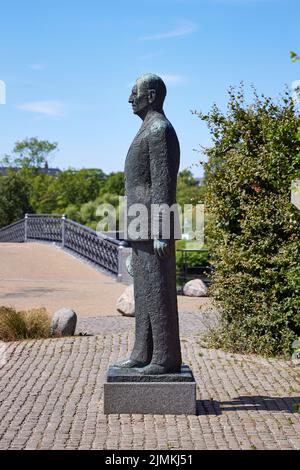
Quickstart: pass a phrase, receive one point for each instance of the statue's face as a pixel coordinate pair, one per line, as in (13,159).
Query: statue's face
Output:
(138,99)
(141,98)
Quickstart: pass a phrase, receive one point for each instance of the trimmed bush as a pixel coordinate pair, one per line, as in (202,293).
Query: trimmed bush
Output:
(30,324)
(254,231)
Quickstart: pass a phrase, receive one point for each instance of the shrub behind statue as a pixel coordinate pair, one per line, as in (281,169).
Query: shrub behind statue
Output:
(253,230)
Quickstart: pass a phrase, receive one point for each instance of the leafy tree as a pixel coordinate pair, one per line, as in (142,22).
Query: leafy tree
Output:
(87,214)
(77,193)
(14,198)
(76,187)
(30,153)
(114,184)
(294,57)
(189,191)
(43,193)
(73,213)
(254,230)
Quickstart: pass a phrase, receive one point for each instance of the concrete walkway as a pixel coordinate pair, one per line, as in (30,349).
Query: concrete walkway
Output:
(42,275)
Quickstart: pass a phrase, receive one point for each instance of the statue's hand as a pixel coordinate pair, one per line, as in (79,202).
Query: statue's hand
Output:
(129,265)
(162,248)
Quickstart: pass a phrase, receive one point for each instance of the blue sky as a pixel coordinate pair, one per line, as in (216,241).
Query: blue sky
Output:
(68,66)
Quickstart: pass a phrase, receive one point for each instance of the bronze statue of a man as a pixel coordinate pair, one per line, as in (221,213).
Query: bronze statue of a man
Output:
(151,169)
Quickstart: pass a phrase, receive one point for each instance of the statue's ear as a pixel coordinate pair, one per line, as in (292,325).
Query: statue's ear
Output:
(151,96)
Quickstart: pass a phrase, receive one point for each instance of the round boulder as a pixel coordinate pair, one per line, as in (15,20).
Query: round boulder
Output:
(64,322)
(195,288)
(125,303)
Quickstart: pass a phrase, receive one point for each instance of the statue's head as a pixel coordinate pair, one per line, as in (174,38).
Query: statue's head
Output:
(149,92)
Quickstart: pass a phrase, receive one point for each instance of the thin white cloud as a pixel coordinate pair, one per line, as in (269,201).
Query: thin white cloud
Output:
(182,29)
(37,66)
(48,108)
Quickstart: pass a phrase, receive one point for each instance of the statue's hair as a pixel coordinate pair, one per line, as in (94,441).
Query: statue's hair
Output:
(154,82)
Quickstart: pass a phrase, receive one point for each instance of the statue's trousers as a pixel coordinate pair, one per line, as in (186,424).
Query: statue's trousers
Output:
(157,330)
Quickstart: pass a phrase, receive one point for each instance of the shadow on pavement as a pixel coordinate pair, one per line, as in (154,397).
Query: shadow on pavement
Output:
(248,403)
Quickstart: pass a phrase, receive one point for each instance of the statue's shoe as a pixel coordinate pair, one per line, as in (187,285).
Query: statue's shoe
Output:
(129,363)
(156,369)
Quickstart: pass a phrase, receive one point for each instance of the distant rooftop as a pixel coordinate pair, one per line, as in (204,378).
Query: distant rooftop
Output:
(47,171)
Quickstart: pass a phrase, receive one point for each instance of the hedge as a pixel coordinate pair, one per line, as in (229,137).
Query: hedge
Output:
(254,230)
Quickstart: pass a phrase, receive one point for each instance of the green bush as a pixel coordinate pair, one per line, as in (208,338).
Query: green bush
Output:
(254,230)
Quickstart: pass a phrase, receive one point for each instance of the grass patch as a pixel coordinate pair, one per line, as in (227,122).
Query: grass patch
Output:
(30,324)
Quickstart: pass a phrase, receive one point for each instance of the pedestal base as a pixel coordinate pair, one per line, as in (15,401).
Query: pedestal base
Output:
(127,392)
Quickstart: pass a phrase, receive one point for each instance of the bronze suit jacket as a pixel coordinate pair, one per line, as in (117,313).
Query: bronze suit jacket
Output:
(151,169)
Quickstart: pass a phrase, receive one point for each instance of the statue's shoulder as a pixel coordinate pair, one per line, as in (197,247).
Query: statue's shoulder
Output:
(160,126)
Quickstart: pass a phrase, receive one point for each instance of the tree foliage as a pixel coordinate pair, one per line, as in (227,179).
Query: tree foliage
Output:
(76,193)
(294,56)
(14,198)
(30,153)
(189,191)
(253,229)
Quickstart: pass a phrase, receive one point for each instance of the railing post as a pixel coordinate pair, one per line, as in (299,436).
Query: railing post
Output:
(26,228)
(63,230)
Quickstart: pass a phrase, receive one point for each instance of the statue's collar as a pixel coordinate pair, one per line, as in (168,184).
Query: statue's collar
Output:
(147,121)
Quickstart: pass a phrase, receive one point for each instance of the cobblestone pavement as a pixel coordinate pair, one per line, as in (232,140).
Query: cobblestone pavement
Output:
(51,397)
(190,322)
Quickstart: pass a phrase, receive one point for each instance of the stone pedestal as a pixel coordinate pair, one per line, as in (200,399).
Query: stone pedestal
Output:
(128,392)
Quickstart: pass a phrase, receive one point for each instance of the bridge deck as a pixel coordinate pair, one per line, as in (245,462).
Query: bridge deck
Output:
(38,274)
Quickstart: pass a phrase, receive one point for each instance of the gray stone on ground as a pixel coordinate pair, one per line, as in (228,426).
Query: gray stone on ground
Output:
(195,288)
(64,322)
(125,303)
